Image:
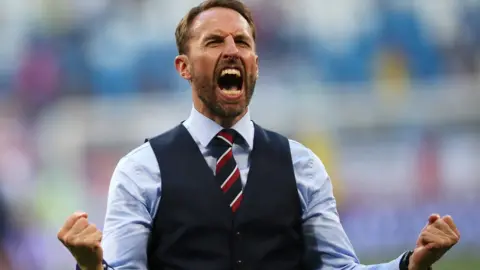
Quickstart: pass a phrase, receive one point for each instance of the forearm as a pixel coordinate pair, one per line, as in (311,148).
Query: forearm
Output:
(337,261)
(327,244)
(392,265)
(128,217)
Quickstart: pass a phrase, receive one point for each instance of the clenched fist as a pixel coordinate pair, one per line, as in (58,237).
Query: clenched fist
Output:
(438,236)
(82,239)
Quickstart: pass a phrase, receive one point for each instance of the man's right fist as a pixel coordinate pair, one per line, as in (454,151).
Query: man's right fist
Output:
(82,239)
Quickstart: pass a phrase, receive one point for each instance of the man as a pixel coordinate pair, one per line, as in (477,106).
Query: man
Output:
(219,191)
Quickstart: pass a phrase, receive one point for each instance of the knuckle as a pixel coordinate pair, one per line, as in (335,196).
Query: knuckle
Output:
(438,223)
(81,224)
(82,221)
(60,235)
(74,241)
(62,240)
(88,243)
(456,238)
(80,242)
(70,240)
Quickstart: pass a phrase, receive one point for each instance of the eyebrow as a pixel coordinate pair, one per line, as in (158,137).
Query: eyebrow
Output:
(219,34)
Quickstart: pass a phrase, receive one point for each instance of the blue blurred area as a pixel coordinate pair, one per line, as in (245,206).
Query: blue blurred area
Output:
(107,53)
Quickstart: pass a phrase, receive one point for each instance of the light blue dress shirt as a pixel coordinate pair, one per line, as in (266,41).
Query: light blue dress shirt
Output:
(136,190)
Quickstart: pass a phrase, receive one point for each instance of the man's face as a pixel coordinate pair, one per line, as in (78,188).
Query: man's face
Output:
(223,62)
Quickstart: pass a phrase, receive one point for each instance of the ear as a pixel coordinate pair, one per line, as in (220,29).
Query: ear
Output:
(256,63)
(182,65)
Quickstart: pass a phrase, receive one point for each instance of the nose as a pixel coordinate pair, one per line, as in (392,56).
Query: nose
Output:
(230,49)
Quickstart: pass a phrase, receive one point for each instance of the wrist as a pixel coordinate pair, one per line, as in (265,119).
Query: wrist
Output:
(405,263)
(414,267)
(411,265)
(97,267)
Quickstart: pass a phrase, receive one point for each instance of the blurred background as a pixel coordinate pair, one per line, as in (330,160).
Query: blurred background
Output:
(386,93)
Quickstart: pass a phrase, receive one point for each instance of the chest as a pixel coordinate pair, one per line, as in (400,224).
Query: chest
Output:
(241,155)
(191,194)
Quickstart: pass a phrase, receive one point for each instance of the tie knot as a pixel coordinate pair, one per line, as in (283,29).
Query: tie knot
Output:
(226,137)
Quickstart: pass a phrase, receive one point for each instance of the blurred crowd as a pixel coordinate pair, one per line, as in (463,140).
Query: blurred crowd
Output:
(52,48)
(96,50)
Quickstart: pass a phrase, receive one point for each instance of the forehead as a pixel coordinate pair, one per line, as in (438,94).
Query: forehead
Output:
(220,20)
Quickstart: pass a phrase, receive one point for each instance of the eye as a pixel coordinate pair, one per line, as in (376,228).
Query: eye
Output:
(243,43)
(213,42)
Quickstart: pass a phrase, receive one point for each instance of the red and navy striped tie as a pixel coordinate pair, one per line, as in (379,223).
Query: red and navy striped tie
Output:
(227,173)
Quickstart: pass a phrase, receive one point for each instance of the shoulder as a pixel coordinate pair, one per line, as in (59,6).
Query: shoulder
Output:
(305,162)
(136,179)
(139,160)
(143,156)
(143,159)
(274,139)
(310,173)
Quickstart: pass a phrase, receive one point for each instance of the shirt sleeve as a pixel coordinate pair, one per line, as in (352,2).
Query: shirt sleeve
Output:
(327,244)
(133,197)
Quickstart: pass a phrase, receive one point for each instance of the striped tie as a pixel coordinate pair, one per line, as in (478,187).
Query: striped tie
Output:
(227,173)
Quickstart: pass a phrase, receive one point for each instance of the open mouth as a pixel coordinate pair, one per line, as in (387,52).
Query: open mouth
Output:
(230,82)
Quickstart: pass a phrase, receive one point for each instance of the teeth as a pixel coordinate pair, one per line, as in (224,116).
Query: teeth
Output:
(231,71)
(231,92)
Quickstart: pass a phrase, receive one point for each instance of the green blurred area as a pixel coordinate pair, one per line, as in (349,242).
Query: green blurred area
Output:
(466,260)
(467,263)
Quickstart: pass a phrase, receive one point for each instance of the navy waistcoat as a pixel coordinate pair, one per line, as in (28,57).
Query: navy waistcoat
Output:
(194,227)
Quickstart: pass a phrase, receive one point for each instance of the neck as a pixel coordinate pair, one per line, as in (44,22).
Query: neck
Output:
(225,122)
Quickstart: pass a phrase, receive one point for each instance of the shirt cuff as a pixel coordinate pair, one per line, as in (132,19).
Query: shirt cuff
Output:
(395,264)
(404,261)
(104,264)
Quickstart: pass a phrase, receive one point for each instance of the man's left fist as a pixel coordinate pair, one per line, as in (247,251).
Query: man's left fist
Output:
(438,236)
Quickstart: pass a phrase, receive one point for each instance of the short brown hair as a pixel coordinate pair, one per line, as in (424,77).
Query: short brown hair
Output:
(182,33)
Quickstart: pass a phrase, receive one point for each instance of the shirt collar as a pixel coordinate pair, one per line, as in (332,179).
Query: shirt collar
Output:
(205,129)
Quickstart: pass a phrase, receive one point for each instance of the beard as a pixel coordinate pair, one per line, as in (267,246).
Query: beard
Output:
(206,88)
